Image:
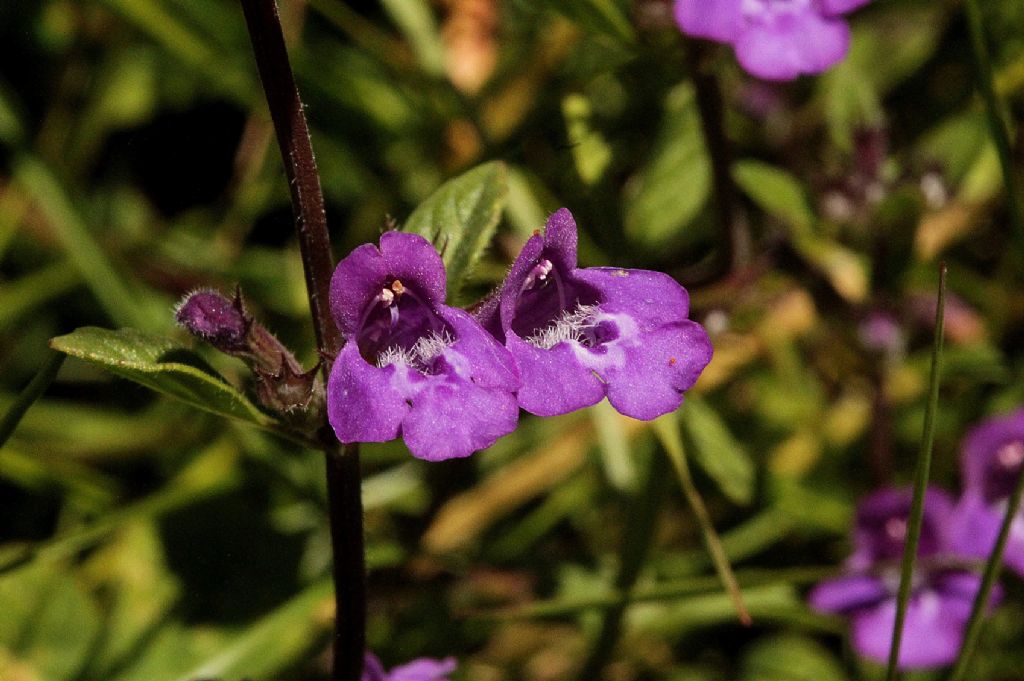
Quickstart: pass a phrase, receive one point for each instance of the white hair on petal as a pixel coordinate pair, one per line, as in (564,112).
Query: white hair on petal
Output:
(569,326)
(420,355)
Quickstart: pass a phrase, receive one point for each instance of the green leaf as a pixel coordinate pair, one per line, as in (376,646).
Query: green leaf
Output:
(676,181)
(48,621)
(416,20)
(601,16)
(162,365)
(460,218)
(776,192)
(790,658)
(717,452)
(272,644)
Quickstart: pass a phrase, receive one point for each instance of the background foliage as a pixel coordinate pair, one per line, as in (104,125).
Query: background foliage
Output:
(142,539)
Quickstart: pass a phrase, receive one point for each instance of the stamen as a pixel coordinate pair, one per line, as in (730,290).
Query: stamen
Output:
(539,272)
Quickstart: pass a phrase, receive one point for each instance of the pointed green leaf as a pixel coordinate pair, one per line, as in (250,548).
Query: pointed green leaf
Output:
(460,218)
(717,452)
(675,183)
(776,192)
(162,365)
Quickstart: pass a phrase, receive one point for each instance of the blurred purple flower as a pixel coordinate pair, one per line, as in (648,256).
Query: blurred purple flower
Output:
(412,365)
(992,460)
(942,592)
(773,39)
(578,335)
(423,669)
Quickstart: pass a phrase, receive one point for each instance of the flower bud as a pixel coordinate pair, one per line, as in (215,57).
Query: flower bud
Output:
(217,320)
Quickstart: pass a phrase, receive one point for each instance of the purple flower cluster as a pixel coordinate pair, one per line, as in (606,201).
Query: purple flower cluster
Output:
(554,338)
(955,538)
(773,39)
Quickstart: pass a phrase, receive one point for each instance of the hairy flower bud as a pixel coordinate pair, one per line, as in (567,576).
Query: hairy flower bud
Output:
(281,383)
(216,319)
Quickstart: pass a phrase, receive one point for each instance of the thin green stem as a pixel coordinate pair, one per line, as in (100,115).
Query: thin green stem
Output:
(668,431)
(665,591)
(32,392)
(632,555)
(921,475)
(996,121)
(988,581)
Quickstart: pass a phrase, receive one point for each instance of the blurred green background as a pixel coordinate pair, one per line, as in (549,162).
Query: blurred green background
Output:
(144,540)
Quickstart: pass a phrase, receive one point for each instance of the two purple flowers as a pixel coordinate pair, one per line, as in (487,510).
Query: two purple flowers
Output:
(773,39)
(955,538)
(554,338)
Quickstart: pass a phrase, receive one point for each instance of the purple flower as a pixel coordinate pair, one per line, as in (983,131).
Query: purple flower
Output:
(942,591)
(412,365)
(992,459)
(423,669)
(578,335)
(773,39)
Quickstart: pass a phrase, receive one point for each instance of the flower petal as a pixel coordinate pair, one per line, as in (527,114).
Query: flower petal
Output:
(363,404)
(470,403)
(658,353)
(356,280)
(361,275)
(652,298)
(720,20)
(792,44)
(974,528)
(414,261)
(981,447)
(373,670)
(423,669)
(846,593)
(835,7)
(560,240)
(932,633)
(658,367)
(555,381)
(880,529)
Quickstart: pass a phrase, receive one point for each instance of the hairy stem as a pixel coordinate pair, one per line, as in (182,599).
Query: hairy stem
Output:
(343,477)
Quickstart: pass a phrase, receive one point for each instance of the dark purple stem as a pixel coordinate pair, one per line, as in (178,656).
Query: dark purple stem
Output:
(343,475)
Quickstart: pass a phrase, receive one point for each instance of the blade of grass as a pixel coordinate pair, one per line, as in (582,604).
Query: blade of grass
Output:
(668,590)
(921,474)
(996,121)
(125,306)
(32,392)
(993,566)
(667,430)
